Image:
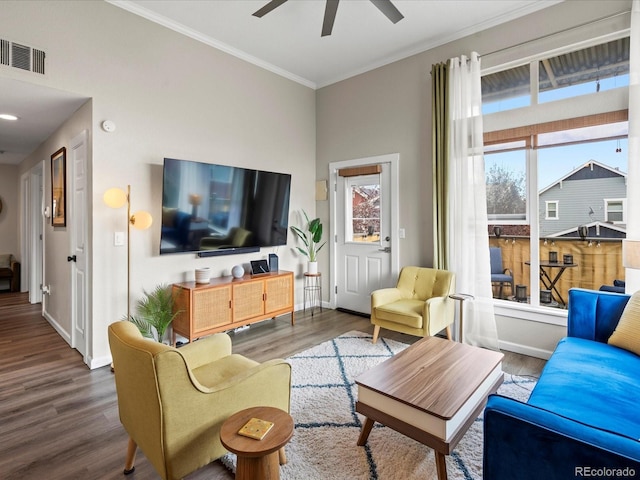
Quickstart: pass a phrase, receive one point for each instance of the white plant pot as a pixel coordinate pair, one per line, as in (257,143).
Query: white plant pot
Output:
(312,268)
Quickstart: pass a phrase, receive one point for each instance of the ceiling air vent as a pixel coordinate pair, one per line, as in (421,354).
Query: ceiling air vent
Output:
(21,56)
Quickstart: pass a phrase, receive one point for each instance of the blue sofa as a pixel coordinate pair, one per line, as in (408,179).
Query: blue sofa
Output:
(583,416)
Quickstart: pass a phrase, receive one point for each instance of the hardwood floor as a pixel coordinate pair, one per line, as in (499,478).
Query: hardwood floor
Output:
(59,420)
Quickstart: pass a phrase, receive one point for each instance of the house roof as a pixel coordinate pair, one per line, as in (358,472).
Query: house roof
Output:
(589,170)
(599,229)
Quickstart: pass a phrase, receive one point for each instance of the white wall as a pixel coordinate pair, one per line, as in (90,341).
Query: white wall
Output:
(169,96)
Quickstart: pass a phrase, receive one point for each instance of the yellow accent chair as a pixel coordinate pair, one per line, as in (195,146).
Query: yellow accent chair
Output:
(172,402)
(419,304)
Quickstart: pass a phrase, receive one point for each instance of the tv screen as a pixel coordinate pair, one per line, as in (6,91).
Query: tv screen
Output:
(219,209)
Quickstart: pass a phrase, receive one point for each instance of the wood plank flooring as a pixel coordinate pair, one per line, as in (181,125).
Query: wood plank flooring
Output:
(59,420)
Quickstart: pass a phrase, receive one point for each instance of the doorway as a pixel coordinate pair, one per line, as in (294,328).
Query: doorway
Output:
(364,229)
(32,232)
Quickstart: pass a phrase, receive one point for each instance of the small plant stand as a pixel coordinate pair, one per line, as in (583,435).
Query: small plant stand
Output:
(312,291)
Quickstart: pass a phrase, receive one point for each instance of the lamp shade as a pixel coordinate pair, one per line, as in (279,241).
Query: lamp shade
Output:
(631,253)
(141,220)
(115,197)
(195,199)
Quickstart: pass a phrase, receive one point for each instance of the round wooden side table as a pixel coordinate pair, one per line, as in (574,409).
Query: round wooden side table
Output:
(258,459)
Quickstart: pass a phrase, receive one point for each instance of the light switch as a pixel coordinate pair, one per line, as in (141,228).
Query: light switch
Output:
(118,239)
(401,233)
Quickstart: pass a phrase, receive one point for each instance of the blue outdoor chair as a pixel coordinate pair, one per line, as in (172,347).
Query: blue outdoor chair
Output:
(498,274)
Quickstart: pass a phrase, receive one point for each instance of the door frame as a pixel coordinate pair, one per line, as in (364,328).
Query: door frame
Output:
(32,232)
(393,159)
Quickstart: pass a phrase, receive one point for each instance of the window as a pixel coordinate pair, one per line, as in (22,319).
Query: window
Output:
(506,172)
(363,215)
(589,70)
(537,159)
(552,210)
(574,73)
(499,95)
(614,209)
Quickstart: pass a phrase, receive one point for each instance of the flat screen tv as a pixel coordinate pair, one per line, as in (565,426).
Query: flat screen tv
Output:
(214,209)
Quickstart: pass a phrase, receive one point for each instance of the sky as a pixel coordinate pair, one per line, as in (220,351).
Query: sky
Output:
(555,162)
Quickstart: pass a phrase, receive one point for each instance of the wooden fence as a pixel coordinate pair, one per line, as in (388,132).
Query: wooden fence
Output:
(598,264)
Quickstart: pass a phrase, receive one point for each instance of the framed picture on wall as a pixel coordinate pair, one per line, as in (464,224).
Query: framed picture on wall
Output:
(59,188)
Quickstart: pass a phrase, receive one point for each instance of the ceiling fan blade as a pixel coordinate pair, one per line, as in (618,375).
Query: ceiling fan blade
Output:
(273,4)
(329,17)
(390,11)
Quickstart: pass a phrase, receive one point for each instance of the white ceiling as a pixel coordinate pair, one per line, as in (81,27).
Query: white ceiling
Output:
(40,111)
(286,41)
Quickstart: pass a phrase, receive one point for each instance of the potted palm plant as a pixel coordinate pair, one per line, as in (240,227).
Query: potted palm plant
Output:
(155,313)
(311,239)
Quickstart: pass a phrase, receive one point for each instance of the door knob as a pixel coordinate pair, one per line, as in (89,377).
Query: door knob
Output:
(387,238)
(72,258)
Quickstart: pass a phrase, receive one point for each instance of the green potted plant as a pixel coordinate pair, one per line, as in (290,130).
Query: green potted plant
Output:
(311,239)
(155,313)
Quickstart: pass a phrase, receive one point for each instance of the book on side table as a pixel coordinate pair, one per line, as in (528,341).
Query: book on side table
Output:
(256,428)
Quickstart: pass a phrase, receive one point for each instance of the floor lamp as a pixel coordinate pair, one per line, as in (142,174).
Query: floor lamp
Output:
(141,220)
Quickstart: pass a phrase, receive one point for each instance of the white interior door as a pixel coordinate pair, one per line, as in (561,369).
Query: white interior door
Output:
(366,253)
(79,244)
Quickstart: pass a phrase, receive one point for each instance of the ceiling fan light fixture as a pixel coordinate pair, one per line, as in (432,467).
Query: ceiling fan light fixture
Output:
(330,10)
(389,10)
(273,4)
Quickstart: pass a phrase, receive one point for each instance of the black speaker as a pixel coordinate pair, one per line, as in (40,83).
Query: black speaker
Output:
(273,262)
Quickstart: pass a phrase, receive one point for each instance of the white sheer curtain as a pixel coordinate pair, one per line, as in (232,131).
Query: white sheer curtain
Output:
(468,253)
(633,194)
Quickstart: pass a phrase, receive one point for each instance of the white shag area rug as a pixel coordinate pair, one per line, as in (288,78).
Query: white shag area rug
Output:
(327,426)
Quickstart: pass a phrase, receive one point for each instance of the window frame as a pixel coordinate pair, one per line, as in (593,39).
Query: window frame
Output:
(548,210)
(594,109)
(623,205)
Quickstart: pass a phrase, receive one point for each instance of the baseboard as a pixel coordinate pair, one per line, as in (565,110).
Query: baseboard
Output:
(352,312)
(56,326)
(524,350)
(99,362)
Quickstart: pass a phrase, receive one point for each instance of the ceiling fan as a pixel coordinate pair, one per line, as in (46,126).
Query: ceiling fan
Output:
(385,6)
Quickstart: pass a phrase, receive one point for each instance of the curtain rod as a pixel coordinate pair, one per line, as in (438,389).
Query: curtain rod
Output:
(587,24)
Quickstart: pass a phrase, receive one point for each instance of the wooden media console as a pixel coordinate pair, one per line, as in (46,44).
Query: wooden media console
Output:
(227,302)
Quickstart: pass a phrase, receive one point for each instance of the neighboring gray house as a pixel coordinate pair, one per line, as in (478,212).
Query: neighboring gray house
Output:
(593,195)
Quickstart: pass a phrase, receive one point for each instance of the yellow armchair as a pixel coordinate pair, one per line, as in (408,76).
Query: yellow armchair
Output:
(418,305)
(172,402)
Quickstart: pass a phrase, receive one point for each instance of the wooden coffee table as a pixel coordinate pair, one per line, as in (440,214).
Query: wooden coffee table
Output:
(258,459)
(431,392)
